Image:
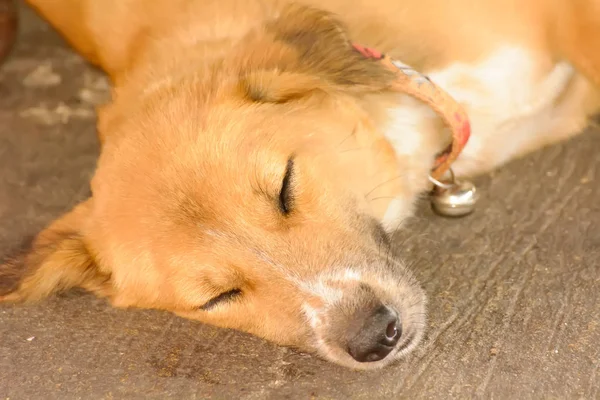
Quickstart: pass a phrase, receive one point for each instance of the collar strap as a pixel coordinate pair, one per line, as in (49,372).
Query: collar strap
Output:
(422,88)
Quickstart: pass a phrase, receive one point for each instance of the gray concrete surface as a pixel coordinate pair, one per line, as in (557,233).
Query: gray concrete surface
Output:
(514,289)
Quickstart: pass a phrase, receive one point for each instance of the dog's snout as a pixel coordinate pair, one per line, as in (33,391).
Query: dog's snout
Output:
(377,337)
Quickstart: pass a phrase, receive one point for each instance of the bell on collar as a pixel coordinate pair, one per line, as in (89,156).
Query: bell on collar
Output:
(454,198)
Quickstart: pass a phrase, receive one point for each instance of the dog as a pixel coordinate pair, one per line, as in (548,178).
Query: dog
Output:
(254,163)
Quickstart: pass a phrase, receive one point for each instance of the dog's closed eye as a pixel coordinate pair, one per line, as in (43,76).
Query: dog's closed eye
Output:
(224,297)
(285,194)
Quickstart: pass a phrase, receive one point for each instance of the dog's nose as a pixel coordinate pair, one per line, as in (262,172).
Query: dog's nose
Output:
(377,337)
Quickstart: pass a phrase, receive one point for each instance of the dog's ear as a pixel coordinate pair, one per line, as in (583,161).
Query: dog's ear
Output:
(57,259)
(323,47)
(316,53)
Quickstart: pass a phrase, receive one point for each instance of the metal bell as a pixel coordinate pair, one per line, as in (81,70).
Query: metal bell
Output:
(454,199)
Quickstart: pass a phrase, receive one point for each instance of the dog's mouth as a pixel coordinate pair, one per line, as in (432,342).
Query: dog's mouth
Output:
(410,342)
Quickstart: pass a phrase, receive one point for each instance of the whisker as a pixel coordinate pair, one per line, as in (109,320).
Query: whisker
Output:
(352,149)
(382,198)
(383,183)
(348,137)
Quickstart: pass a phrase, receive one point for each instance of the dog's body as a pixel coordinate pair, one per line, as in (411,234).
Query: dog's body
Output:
(269,84)
(522,70)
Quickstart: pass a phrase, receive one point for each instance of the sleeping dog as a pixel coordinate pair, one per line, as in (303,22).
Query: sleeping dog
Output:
(257,153)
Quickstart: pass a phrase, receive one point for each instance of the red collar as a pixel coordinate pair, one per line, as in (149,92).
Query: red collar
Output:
(419,86)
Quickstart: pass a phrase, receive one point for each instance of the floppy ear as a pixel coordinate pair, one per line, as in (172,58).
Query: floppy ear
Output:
(57,259)
(324,48)
(315,53)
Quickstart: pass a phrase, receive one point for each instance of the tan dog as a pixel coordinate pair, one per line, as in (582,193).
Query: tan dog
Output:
(250,158)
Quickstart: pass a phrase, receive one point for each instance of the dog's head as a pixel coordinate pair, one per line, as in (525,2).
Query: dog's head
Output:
(248,195)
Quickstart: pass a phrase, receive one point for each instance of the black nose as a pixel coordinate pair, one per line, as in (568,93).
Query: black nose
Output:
(377,337)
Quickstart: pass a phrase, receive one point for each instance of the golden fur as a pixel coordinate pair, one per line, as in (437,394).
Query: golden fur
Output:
(214,100)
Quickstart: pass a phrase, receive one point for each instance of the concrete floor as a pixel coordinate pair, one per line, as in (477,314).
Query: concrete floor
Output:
(514,289)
